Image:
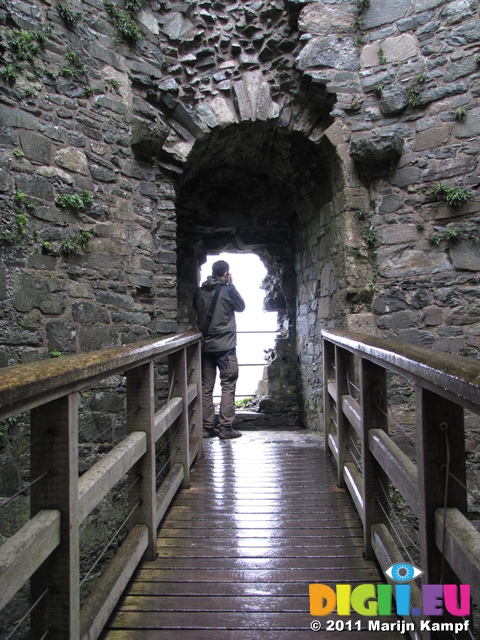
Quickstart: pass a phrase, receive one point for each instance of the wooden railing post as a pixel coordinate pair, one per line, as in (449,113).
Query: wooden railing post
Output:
(329,410)
(177,367)
(195,377)
(345,371)
(437,419)
(54,437)
(140,416)
(373,400)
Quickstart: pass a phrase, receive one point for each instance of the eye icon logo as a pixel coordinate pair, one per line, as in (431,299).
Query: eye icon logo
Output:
(402,572)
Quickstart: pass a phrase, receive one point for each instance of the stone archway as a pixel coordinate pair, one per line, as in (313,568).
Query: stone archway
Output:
(259,187)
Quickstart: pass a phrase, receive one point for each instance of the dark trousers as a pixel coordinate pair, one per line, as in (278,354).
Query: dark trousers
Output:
(227,364)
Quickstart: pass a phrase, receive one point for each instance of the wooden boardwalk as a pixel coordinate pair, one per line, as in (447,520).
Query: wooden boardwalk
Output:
(263,519)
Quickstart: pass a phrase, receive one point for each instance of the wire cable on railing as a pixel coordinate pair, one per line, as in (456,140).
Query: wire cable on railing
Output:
(395,531)
(27,614)
(403,429)
(165,444)
(139,477)
(19,455)
(45,635)
(172,382)
(109,543)
(351,384)
(25,488)
(167,462)
(412,542)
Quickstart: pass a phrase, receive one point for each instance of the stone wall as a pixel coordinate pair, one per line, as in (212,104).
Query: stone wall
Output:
(326,136)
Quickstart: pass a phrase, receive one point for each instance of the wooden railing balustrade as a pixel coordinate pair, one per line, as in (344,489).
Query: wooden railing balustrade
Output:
(444,386)
(46,550)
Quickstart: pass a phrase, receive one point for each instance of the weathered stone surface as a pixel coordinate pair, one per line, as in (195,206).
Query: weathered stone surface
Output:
(38,292)
(380,13)
(458,10)
(72,159)
(36,147)
(61,336)
(330,53)
(148,137)
(440,93)
(432,138)
(395,49)
(470,126)
(466,255)
(397,262)
(223,111)
(377,147)
(177,27)
(323,19)
(394,99)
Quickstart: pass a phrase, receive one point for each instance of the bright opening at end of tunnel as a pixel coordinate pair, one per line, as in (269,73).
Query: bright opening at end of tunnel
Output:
(248,273)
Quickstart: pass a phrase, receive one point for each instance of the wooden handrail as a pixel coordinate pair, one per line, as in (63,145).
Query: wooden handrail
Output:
(46,550)
(444,386)
(35,383)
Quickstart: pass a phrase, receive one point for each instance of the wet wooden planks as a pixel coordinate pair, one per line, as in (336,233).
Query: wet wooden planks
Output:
(236,553)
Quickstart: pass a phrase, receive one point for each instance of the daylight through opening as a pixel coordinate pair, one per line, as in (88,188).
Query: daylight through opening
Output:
(256,328)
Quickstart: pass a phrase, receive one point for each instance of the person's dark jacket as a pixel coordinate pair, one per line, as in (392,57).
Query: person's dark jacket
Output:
(222,332)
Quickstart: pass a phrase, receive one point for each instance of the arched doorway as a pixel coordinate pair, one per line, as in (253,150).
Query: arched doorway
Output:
(254,187)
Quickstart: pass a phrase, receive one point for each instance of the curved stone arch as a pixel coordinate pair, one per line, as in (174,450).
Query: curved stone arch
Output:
(283,163)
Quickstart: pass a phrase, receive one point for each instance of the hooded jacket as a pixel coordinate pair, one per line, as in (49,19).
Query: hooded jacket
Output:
(222,332)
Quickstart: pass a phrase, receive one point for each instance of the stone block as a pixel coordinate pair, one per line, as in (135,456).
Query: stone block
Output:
(432,138)
(377,147)
(36,147)
(178,28)
(465,255)
(396,262)
(223,111)
(115,299)
(97,337)
(38,292)
(470,126)
(36,187)
(400,320)
(61,336)
(394,99)
(398,234)
(242,100)
(72,159)
(329,52)
(381,12)
(89,313)
(322,19)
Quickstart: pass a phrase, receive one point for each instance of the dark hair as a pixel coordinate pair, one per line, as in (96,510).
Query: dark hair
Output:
(219,268)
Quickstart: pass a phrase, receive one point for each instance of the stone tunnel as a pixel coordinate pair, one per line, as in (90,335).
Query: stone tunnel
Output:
(335,140)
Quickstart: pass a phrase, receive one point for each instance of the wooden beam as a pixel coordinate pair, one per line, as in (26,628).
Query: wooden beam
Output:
(95,483)
(167,491)
(54,429)
(399,468)
(100,604)
(462,548)
(22,554)
(166,417)
(353,482)
(351,409)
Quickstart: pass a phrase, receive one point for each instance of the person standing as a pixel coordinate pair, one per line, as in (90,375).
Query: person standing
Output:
(216,303)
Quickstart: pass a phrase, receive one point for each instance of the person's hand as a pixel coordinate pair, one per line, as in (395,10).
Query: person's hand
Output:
(229,279)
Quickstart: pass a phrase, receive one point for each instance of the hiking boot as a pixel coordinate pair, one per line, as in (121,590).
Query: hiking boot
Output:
(210,432)
(227,433)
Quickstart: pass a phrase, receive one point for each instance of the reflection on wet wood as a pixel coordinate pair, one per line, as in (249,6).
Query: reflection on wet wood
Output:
(264,519)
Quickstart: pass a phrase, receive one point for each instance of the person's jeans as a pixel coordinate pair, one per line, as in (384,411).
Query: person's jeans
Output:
(227,364)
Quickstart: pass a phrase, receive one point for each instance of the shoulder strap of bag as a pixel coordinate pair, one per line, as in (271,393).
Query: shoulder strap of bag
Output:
(206,323)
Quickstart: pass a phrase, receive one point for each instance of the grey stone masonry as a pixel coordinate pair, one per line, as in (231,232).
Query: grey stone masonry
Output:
(349,136)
